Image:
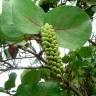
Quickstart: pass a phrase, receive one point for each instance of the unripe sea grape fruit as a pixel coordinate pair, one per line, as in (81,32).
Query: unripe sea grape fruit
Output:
(58,75)
(52,53)
(58,65)
(50,45)
(58,70)
(54,68)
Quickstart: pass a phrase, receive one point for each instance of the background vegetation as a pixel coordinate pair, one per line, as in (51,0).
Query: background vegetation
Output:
(20,25)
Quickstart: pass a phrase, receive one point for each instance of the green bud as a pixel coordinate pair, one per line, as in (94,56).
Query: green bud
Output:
(59,60)
(61,83)
(58,76)
(49,43)
(51,39)
(44,42)
(61,68)
(50,62)
(54,37)
(49,57)
(58,70)
(47,53)
(54,68)
(56,54)
(50,49)
(47,49)
(45,39)
(55,57)
(55,41)
(52,53)
(44,34)
(58,65)
(52,45)
(55,50)
(54,63)
(49,36)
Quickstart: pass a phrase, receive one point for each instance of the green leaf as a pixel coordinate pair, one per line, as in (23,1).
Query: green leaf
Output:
(85,52)
(45,73)
(65,59)
(30,76)
(2,36)
(72,25)
(10,83)
(23,90)
(19,18)
(2,89)
(49,88)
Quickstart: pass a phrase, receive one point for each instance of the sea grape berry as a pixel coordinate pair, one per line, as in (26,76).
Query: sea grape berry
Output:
(50,46)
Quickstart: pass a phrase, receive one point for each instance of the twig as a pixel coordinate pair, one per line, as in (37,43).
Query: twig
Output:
(7,92)
(93,43)
(39,57)
(19,68)
(8,64)
(71,86)
(18,58)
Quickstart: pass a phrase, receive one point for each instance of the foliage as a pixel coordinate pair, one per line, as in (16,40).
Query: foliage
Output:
(10,83)
(22,21)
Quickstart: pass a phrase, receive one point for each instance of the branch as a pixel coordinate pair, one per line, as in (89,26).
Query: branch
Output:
(8,64)
(38,56)
(68,85)
(19,68)
(7,92)
(73,88)
(93,43)
(18,58)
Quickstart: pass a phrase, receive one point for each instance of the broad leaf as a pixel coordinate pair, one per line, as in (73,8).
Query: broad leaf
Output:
(72,25)
(10,83)
(45,73)
(48,88)
(40,89)
(23,90)
(19,18)
(30,76)
(85,52)
(2,36)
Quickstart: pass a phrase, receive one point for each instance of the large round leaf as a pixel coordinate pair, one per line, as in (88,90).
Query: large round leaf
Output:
(48,88)
(2,36)
(42,89)
(30,76)
(72,25)
(23,90)
(20,17)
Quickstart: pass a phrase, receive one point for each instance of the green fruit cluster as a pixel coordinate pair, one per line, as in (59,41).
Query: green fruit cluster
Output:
(50,46)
